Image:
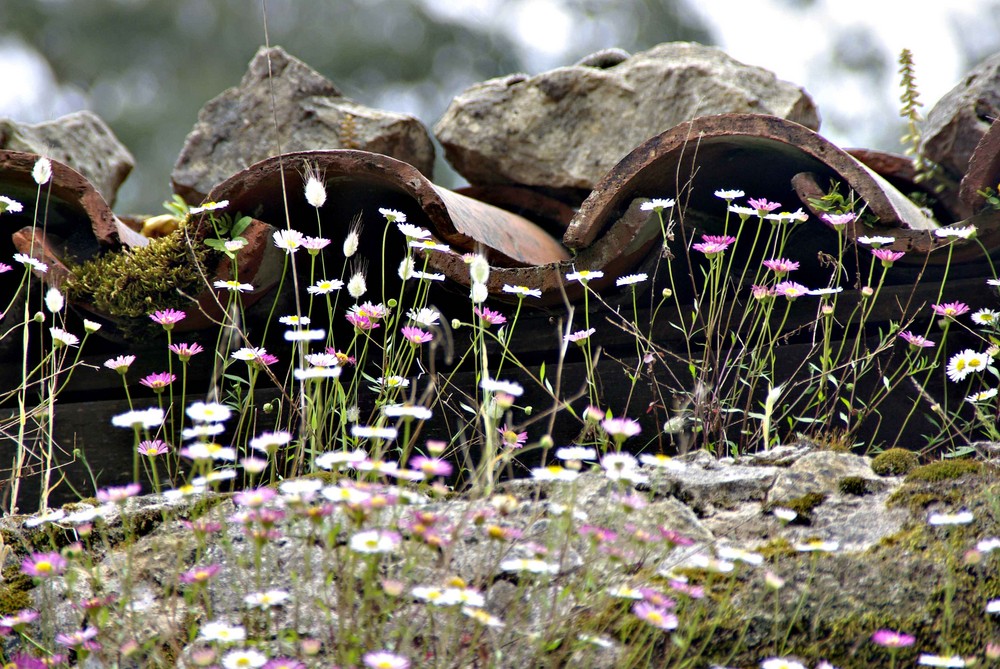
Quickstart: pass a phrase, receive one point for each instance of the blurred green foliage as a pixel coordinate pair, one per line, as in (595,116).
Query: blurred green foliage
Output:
(148,66)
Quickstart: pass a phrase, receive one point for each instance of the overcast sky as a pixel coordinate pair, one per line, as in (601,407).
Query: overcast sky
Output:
(841,51)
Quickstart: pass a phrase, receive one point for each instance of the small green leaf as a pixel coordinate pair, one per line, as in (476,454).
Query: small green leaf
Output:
(240,226)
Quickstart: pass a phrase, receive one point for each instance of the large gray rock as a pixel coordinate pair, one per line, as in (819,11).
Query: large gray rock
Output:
(236,128)
(566,128)
(822,472)
(960,119)
(80,140)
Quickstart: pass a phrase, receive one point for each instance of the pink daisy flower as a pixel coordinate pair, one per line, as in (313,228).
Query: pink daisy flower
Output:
(254,498)
(118,494)
(431,466)
(120,364)
(416,336)
(315,244)
(915,340)
(621,427)
(153,447)
(950,309)
(80,639)
(763,206)
(200,574)
(892,639)
(790,289)
(781,266)
(512,439)
(580,336)
(490,317)
(839,220)
(655,615)
(186,351)
(158,381)
(361,322)
(43,565)
(168,317)
(887,256)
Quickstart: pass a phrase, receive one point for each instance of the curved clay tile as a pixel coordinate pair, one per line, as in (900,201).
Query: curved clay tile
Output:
(75,223)
(761,155)
(898,170)
(358,180)
(758,154)
(984,169)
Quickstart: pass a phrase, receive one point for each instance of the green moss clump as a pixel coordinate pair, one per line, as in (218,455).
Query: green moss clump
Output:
(854,485)
(806,503)
(803,506)
(895,462)
(14,591)
(133,282)
(944,470)
(777,548)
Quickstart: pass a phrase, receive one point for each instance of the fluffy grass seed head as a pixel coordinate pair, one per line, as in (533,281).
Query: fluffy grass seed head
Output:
(54,300)
(42,171)
(356,286)
(315,190)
